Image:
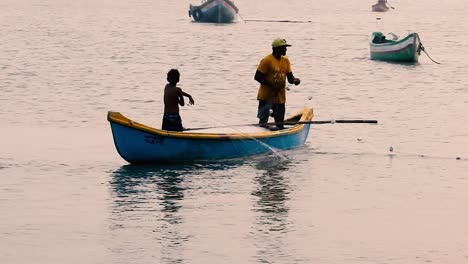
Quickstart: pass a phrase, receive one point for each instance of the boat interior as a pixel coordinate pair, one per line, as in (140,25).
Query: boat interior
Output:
(244,129)
(380,39)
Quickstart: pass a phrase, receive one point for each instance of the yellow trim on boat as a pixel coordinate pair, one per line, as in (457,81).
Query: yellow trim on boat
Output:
(306,115)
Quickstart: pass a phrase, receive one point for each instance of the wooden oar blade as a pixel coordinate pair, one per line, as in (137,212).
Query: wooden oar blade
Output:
(342,121)
(357,121)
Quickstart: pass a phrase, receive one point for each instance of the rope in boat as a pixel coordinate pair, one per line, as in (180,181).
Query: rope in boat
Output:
(273,150)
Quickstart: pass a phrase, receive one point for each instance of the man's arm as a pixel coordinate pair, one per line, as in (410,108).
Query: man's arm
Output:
(261,78)
(292,79)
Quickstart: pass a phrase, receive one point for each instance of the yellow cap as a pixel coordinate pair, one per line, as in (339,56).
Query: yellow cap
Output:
(279,42)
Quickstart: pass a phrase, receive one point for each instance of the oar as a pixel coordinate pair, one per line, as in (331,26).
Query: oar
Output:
(278,21)
(343,121)
(318,122)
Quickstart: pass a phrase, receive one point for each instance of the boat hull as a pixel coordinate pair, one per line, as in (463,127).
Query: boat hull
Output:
(214,11)
(137,143)
(407,49)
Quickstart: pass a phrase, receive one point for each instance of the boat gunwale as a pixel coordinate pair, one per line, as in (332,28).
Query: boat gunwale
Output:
(227,1)
(305,115)
(394,42)
(409,46)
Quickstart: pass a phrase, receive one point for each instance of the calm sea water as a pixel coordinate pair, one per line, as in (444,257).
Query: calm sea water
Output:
(67,197)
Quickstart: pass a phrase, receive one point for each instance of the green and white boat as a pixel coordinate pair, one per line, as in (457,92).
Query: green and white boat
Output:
(407,49)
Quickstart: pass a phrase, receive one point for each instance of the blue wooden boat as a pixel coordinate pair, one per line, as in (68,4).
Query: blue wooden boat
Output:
(406,49)
(214,11)
(139,143)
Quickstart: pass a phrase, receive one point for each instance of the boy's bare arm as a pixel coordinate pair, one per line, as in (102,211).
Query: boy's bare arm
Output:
(181,100)
(191,101)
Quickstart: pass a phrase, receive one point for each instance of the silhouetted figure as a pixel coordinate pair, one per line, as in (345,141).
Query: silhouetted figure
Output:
(173,97)
(271,74)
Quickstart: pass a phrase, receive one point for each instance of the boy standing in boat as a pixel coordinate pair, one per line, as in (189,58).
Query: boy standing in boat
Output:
(173,97)
(271,74)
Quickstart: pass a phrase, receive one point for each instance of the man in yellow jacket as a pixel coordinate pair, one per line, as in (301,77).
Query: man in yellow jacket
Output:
(271,74)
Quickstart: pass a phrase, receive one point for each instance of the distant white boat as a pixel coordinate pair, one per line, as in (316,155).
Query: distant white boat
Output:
(381,6)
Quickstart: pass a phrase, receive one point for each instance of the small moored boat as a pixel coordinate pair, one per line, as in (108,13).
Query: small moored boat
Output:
(138,143)
(214,11)
(406,49)
(379,8)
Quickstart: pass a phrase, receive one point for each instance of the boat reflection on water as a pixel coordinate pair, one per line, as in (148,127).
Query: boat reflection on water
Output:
(148,209)
(272,225)
(134,185)
(272,191)
(155,205)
